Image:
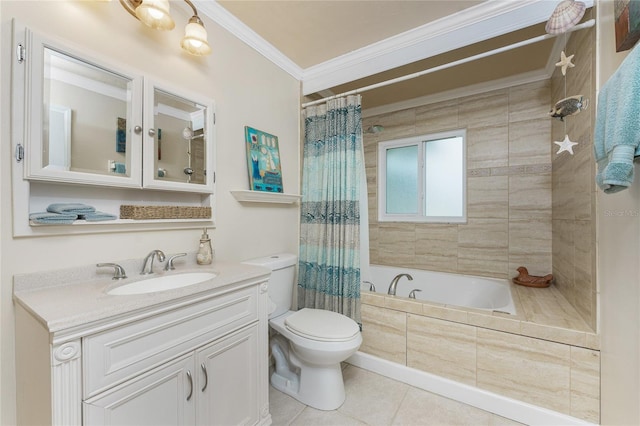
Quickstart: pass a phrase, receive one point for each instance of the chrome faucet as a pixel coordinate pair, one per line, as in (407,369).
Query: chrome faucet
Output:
(169,266)
(394,283)
(412,293)
(118,271)
(147,266)
(371,286)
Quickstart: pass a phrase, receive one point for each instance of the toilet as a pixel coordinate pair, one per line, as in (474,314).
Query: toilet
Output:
(308,345)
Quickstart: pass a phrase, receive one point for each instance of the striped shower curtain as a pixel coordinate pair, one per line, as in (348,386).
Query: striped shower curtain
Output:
(333,162)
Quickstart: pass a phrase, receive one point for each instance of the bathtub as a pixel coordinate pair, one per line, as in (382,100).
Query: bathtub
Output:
(468,291)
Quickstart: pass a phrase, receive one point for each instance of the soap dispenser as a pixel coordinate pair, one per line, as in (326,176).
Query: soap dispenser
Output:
(205,252)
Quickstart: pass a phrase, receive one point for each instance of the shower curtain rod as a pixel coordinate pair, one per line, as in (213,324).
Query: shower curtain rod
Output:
(586,24)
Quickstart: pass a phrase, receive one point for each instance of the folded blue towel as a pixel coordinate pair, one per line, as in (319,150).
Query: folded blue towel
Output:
(617,128)
(71,208)
(47,218)
(97,216)
(120,168)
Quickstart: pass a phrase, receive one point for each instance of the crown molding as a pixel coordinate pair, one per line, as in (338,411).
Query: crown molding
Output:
(226,20)
(484,21)
(489,19)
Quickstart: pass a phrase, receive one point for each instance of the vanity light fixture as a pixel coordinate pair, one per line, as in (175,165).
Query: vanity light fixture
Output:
(156,14)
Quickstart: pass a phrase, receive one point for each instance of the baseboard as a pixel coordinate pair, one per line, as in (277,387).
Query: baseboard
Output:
(510,408)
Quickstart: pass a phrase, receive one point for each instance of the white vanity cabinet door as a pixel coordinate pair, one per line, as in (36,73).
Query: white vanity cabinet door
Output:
(228,376)
(164,396)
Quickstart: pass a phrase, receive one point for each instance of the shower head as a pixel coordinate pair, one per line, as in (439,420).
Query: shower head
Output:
(376,128)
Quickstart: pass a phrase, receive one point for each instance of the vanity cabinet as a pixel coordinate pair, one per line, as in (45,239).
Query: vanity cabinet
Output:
(193,362)
(216,385)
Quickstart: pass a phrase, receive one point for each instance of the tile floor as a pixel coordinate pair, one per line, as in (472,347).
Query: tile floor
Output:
(379,401)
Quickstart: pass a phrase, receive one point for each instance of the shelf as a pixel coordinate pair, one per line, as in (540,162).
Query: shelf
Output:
(265,197)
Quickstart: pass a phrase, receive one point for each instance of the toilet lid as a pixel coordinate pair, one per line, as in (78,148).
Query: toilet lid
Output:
(318,324)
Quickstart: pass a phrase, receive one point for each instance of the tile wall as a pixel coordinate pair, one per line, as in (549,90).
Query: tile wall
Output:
(508,186)
(525,204)
(496,354)
(573,185)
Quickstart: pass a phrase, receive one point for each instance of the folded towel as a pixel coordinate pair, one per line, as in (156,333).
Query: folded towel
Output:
(97,216)
(120,168)
(617,128)
(46,218)
(71,208)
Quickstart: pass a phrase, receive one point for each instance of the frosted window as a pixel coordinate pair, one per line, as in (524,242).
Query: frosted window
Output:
(422,179)
(443,187)
(402,180)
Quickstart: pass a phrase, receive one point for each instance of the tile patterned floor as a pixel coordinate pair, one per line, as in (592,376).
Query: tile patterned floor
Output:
(379,401)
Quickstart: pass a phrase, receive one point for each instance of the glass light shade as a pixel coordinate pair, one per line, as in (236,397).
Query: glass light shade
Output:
(195,39)
(155,14)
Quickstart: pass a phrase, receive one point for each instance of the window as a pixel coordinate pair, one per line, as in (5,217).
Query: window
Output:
(423,179)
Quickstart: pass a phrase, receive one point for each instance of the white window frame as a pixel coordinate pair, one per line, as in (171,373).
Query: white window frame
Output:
(419,141)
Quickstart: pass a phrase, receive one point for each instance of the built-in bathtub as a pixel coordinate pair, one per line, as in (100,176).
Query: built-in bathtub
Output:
(440,287)
(519,365)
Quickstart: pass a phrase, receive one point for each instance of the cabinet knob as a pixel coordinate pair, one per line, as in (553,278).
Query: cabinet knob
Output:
(152,132)
(137,130)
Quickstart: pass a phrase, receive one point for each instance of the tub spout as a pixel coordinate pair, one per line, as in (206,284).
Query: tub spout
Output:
(394,283)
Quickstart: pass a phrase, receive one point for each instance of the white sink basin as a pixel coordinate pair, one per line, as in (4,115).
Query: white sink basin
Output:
(169,282)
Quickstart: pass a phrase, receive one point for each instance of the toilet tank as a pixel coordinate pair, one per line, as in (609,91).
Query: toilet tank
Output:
(281,282)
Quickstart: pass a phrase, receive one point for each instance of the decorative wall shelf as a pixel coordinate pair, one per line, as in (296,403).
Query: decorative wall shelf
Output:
(264,197)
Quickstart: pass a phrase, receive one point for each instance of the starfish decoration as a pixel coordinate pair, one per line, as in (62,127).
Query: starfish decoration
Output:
(565,145)
(565,62)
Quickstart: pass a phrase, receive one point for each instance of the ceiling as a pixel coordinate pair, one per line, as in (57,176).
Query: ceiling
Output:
(337,46)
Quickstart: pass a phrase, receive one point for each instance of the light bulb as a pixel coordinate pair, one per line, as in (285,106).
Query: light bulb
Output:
(155,14)
(195,38)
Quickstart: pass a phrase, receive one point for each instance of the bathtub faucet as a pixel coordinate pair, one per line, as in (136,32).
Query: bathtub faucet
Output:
(394,283)
(371,286)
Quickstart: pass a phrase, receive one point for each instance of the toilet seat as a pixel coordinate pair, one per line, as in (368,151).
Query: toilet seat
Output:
(322,325)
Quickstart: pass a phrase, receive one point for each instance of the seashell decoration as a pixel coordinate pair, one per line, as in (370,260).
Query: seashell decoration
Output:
(566,15)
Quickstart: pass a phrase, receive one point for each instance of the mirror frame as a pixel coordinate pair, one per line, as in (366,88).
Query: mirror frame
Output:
(149,151)
(34,126)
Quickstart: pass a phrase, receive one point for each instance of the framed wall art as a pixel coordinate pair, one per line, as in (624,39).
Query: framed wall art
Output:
(263,161)
(627,25)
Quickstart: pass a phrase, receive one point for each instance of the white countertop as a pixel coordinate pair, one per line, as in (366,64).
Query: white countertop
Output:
(64,301)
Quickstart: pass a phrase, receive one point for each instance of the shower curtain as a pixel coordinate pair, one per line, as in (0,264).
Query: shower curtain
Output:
(332,172)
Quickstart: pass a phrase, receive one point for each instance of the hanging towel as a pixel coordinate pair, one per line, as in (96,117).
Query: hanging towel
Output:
(97,216)
(70,208)
(617,128)
(47,218)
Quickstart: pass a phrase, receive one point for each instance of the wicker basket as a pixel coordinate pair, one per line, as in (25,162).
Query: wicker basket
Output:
(164,212)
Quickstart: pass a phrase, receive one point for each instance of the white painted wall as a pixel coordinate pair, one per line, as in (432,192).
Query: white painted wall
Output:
(618,245)
(248,90)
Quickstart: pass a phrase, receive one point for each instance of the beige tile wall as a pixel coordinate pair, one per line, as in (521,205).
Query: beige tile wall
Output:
(508,186)
(558,376)
(573,186)
(525,204)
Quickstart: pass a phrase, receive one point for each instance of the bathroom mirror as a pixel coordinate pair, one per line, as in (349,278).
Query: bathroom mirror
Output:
(92,123)
(179,139)
(177,146)
(81,118)
(95,104)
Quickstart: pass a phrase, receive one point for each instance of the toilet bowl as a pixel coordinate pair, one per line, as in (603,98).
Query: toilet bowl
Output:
(307,345)
(308,359)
